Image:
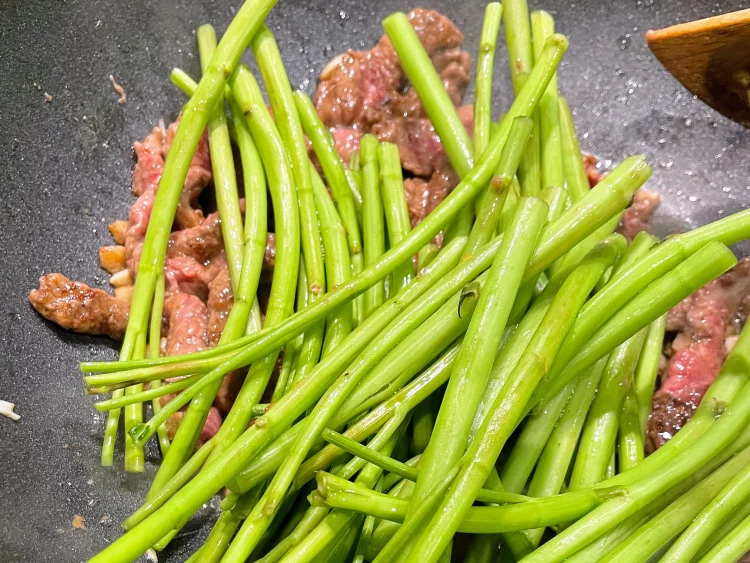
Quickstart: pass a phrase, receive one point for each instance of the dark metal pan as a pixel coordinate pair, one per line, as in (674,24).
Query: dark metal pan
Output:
(66,174)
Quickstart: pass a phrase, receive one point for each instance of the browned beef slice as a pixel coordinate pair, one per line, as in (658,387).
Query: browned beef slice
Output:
(229,389)
(424,196)
(702,322)
(76,306)
(200,242)
(188,321)
(667,416)
(149,166)
(366,91)
(220,300)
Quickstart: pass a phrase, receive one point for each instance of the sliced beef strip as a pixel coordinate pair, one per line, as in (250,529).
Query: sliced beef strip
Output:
(198,176)
(76,306)
(150,156)
(188,323)
(366,91)
(220,299)
(200,242)
(424,196)
(702,322)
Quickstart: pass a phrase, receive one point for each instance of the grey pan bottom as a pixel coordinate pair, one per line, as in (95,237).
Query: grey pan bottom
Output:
(66,174)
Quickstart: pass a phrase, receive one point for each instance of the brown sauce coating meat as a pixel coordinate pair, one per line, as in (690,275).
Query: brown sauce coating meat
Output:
(76,306)
(703,322)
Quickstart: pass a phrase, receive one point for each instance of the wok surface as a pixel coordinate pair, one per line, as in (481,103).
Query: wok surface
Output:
(67,166)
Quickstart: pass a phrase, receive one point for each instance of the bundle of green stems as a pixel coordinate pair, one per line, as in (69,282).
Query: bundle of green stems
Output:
(495,386)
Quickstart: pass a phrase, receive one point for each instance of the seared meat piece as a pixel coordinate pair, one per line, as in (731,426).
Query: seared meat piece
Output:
(702,321)
(150,162)
(186,275)
(76,306)
(198,177)
(366,91)
(668,415)
(637,217)
(200,242)
(422,196)
(220,299)
(148,169)
(229,389)
(188,321)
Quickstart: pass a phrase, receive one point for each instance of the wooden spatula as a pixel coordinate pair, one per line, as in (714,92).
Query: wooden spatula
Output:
(711,58)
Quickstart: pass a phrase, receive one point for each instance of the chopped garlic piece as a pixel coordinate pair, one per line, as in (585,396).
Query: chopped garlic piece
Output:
(6,409)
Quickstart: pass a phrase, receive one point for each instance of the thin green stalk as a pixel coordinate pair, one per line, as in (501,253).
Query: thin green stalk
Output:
(552,467)
(335,173)
(729,500)
(521,59)
(478,520)
(508,408)
(630,447)
(518,39)
(396,210)
(245,311)
(493,13)
(134,457)
(287,228)
(222,165)
(289,127)
(732,547)
(671,521)
(473,366)
(648,368)
(600,431)
(429,87)
(142,396)
(700,268)
(543,27)
(708,447)
(154,348)
(576,179)
(338,263)
(534,436)
(391,465)
(493,200)
(373,227)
